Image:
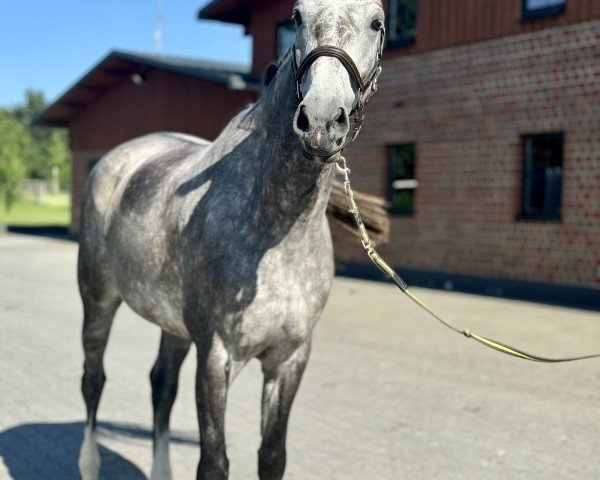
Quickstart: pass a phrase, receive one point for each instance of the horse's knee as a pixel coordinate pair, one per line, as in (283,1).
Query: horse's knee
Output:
(97,322)
(164,376)
(164,384)
(157,380)
(92,383)
(271,462)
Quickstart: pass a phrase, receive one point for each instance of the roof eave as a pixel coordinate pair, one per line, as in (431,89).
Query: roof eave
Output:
(60,112)
(41,120)
(216,11)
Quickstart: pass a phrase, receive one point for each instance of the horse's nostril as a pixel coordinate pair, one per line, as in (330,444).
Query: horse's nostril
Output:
(342,118)
(338,126)
(302,122)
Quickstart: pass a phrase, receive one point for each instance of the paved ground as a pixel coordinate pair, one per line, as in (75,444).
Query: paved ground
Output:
(387,395)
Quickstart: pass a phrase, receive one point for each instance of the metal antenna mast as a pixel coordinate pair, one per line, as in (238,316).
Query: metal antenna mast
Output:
(158,34)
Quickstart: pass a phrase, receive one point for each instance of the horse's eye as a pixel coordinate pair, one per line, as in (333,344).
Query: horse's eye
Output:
(377,25)
(297,18)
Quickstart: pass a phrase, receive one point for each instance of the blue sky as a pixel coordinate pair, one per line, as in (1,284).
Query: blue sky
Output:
(49,44)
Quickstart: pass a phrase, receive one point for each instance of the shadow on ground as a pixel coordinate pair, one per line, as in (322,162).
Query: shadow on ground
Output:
(49,451)
(58,233)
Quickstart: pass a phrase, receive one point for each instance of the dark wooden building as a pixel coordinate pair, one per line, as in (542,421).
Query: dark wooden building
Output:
(483,137)
(129,94)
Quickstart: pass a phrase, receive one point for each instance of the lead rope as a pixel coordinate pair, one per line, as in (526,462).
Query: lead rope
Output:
(392,275)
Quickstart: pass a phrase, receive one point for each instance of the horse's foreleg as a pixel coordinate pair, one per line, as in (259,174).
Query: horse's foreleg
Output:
(212,381)
(97,321)
(165,378)
(280,386)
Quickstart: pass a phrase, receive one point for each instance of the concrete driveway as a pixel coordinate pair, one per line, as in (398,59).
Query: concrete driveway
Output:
(388,394)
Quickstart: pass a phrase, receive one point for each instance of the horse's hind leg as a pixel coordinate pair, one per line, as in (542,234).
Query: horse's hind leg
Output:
(281,383)
(99,312)
(164,378)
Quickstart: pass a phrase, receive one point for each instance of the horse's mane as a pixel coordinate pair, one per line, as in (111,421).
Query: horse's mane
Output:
(273,68)
(249,117)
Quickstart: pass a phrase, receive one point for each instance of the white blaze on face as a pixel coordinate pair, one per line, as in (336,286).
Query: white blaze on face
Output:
(345,24)
(89,457)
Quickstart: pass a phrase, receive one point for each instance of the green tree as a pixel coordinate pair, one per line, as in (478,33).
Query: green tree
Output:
(50,145)
(15,145)
(35,103)
(59,155)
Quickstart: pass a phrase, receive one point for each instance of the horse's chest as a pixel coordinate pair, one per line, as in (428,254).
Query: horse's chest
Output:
(282,305)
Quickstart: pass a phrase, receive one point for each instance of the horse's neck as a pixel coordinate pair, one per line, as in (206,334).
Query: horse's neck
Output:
(287,184)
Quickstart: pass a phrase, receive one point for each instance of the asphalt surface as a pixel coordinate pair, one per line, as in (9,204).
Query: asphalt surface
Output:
(388,394)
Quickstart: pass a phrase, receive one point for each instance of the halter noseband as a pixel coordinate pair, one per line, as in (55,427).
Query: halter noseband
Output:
(364,90)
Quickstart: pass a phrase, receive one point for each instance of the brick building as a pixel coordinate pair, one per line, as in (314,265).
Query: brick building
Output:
(483,136)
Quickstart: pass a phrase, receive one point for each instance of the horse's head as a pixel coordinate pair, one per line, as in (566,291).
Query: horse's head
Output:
(336,59)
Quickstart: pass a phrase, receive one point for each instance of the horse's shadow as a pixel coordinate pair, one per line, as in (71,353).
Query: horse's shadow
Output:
(49,451)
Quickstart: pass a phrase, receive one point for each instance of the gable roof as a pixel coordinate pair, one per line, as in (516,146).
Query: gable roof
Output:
(118,63)
(230,11)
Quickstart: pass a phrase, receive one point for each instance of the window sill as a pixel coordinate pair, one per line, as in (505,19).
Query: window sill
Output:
(395,44)
(401,214)
(527,15)
(538,217)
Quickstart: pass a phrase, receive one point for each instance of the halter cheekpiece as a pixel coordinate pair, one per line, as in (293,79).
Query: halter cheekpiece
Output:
(364,88)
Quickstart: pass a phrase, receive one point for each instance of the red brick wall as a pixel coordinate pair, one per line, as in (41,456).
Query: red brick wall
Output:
(466,108)
(440,23)
(443,23)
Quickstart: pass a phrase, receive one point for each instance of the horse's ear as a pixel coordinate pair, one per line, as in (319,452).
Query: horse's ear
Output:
(271,73)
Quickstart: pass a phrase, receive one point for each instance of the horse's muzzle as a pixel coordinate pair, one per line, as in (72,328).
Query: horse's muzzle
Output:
(322,130)
(320,157)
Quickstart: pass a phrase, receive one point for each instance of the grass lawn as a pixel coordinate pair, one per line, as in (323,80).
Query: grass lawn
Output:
(54,210)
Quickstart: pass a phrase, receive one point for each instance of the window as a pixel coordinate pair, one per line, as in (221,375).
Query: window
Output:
(402,22)
(542,8)
(542,176)
(286,34)
(402,183)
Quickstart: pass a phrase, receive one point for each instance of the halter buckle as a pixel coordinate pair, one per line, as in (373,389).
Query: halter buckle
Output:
(358,121)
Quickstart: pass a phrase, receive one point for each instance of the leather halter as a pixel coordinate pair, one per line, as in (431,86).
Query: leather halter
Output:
(364,88)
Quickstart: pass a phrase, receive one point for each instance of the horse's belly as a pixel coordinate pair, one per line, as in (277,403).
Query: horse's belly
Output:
(146,276)
(158,306)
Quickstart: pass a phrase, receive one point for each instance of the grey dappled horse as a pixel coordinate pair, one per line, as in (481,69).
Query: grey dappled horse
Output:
(226,244)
